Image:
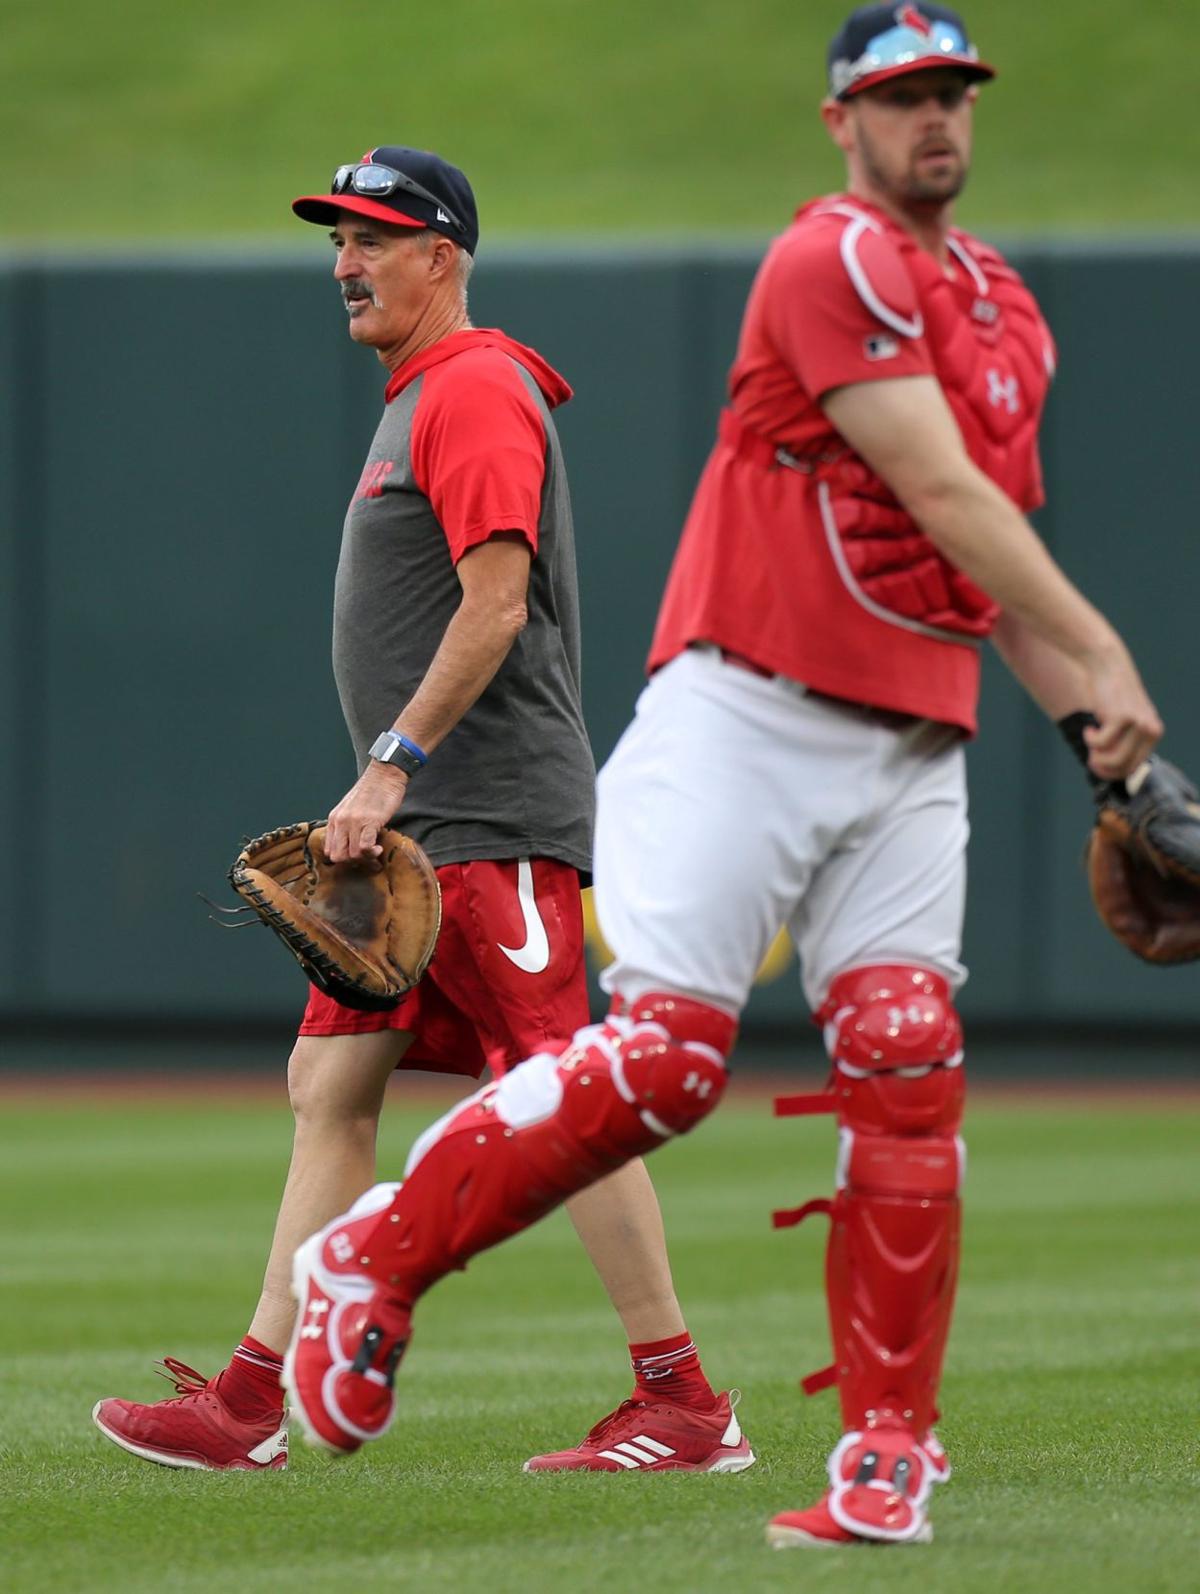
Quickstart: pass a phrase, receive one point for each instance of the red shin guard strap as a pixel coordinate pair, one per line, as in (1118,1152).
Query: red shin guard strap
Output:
(806,1105)
(788,1217)
(823,1378)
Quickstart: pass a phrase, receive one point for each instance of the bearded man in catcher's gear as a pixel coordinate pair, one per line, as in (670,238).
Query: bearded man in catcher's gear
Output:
(457,657)
(797,758)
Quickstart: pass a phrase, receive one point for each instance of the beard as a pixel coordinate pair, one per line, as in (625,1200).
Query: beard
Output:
(917,184)
(923,187)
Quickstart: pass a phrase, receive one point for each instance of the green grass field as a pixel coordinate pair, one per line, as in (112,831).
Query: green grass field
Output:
(134,1231)
(610,116)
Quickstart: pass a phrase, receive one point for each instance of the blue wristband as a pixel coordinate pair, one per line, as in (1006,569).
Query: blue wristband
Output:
(410,746)
(398,751)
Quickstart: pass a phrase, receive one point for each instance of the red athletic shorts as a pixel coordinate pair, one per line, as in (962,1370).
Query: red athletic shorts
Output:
(507,978)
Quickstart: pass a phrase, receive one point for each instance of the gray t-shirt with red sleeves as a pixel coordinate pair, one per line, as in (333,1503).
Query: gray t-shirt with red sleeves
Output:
(467,447)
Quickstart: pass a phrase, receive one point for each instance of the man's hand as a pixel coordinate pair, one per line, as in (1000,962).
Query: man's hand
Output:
(1129,727)
(355,823)
(1106,685)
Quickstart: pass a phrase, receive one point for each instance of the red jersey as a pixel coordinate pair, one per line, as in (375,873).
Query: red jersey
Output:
(794,554)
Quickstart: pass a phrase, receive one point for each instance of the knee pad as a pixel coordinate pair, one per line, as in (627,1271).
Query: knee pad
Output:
(663,1056)
(670,1062)
(895,1042)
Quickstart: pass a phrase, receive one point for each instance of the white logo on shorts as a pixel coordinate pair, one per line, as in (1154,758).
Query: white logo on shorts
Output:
(534,956)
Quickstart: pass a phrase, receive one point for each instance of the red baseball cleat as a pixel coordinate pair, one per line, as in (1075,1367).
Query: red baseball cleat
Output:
(881,1481)
(349,1337)
(813,1529)
(939,1461)
(649,1436)
(195,1430)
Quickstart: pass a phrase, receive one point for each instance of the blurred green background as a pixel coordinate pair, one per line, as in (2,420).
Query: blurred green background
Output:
(181,411)
(610,116)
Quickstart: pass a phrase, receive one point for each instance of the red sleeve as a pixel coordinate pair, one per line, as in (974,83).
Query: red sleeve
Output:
(842,308)
(478,450)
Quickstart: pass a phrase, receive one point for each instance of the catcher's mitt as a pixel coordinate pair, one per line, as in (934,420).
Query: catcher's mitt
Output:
(1144,862)
(365,931)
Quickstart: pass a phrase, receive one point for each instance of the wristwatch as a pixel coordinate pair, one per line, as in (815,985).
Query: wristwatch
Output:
(392,748)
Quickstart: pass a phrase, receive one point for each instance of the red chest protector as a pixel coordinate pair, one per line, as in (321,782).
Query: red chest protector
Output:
(994,357)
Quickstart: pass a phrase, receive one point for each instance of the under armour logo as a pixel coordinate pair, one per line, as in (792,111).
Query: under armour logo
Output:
(342,1247)
(316,1310)
(698,1085)
(912,1014)
(1003,390)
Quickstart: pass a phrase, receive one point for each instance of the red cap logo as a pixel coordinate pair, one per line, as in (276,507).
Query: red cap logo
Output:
(910,17)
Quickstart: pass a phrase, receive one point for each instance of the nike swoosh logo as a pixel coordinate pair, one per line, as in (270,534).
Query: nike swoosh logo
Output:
(534,956)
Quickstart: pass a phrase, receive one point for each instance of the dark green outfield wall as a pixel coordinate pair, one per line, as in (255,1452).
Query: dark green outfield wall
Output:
(178,438)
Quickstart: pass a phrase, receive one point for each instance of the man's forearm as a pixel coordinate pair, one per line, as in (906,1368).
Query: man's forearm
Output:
(473,647)
(1054,681)
(982,533)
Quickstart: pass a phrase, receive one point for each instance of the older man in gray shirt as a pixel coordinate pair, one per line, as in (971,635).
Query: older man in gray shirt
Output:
(456,653)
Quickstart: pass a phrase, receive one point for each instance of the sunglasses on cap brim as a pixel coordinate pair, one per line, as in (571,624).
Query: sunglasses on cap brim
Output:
(373,181)
(942,45)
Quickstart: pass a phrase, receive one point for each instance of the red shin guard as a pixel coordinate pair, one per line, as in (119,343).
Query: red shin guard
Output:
(511,1153)
(890,1272)
(892,1260)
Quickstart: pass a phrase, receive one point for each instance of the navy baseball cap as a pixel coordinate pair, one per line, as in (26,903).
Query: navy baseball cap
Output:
(407,187)
(876,43)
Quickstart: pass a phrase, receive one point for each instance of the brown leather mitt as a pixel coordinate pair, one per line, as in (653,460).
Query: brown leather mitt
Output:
(1144,862)
(363,932)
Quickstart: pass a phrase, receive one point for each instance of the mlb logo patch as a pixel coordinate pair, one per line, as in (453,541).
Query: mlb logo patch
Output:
(880,346)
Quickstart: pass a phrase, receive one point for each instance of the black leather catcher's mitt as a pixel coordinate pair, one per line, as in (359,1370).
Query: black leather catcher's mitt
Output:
(364,931)
(1144,862)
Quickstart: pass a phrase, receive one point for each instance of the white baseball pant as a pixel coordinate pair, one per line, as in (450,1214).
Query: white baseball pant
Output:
(736,803)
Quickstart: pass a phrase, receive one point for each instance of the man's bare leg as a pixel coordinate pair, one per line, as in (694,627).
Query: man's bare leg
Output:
(621,1227)
(336,1086)
(619,1221)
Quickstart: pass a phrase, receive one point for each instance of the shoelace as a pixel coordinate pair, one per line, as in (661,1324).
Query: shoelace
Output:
(607,1423)
(626,1409)
(187,1380)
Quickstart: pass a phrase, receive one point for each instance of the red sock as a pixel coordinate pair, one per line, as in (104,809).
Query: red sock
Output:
(670,1370)
(250,1386)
